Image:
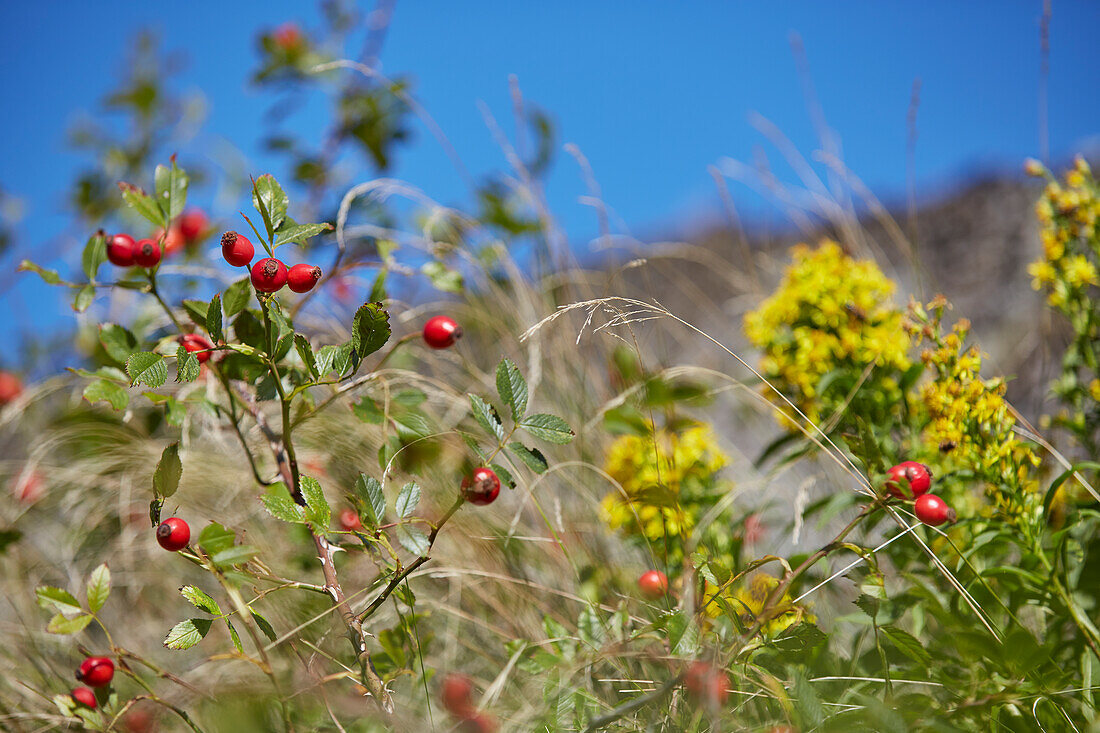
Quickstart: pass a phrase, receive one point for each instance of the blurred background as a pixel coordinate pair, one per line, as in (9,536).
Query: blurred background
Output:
(921,101)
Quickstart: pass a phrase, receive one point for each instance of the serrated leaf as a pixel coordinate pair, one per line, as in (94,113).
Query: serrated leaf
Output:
(271,201)
(370,329)
(236,297)
(800,637)
(148,368)
(908,645)
(318,511)
(532,457)
(282,507)
(324,358)
(95,254)
(412,539)
(187,634)
(234,636)
(299,233)
(166,477)
(370,490)
(504,475)
(214,319)
(117,341)
(98,588)
(512,388)
(187,365)
(486,416)
(305,352)
(215,537)
(263,625)
(442,277)
(407,500)
(50,276)
(61,625)
(102,390)
(61,600)
(199,599)
(143,204)
(170,184)
(550,428)
(196,311)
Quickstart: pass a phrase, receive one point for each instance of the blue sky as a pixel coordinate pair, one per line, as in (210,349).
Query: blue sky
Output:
(651,92)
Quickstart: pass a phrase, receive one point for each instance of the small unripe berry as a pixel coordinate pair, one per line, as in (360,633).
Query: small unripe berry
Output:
(653,584)
(441,332)
(237,250)
(706,685)
(173,534)
(268,275)
(85,697)
(349,520)
(481,487)
(456,693)
(96,671)
(301,278)
(147,253)
(197,344)
(932,510)
(915,475)
(10,387)
(192,224)
(120,250)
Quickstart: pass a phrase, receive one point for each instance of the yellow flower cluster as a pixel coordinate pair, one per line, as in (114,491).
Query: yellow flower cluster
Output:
(655,471)
(830,313)
(1068,213)
(748,600)
(970,421)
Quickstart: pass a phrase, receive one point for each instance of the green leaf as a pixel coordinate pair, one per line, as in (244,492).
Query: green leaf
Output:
(143,204)
(166,477)
(263,625)
(407,500)
(175,412)
(299,233)
(234,636)
(233,555)
(196,311)
(368,411)
(533,457)
(412,539)
(548,427)
(305,352)
(1062,478)
(187,365)
(171,189)
(370,329)
(214,538)
(806,703)
(61,625)
(801,637)
(370,490)
(908,645)
(236,297)
(98,588)
(102,390)
(318,511)
(504,475)
(187,634)
(271,201)
(50,276)
(118,342)
(95,254)
(282,507)
(442,277)
(145,367)
(62,600)
(84,298)
(512,388)
(214,319)
(199,599)
(486,416)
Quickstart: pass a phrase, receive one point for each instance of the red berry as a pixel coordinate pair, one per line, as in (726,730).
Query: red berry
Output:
(287,36)
(653,584)
(192,224)
(481,487)
(197,344)
(120,250)
(932,510)
(349,520)
(237,250)
(173,534)
(301,278)
(912,474)
(174,241)
(706,684)
(457,694)
(147,253)
(10,387)
(268,275)
(441,332)
(85,697)
(96,671)
(28,487)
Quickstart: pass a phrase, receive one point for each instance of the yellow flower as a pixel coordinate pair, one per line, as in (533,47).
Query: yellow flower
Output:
(748,600)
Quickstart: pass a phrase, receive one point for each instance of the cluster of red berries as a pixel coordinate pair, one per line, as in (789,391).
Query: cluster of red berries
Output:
(457,694)
(270,274)
(93,672)
(929,508)
(123,251)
